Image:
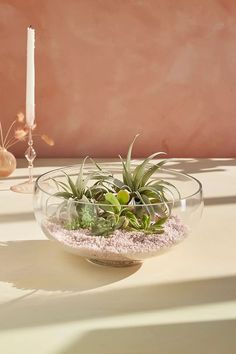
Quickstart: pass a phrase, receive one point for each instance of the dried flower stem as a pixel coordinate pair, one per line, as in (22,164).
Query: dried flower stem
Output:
(11,143)
(8,132)
(1,133)
(21,132)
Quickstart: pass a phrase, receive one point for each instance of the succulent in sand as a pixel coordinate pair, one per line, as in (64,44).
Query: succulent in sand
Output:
(142,190)
(78,189)
(135,202)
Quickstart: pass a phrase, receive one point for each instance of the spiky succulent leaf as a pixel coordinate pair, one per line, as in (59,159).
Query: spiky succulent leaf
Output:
(79,182)
(96,164)
(73,188)
(140,169)
(147,204)
(164,183)
(106,174)
(127,176)
(65,195)
(63,185)
(152,192)
(147,175)
(128,158)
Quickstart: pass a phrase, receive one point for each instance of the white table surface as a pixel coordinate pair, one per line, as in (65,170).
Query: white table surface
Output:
(182,302)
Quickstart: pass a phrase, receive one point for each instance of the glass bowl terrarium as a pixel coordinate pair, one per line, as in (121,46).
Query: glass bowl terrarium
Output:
(117,213)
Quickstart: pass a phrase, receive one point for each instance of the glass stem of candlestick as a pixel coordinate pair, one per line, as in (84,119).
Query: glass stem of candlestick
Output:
(30,155)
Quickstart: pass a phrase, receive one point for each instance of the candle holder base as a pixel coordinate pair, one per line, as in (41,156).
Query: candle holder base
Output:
(25,187)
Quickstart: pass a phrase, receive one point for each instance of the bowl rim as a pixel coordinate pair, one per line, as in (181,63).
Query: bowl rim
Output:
(199,189)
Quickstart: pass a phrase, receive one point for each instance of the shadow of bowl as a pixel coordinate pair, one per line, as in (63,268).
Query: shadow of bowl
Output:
(41,264)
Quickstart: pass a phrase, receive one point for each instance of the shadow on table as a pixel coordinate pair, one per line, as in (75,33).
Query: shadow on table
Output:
(202,165)
(61,162)
(220,200)
(10,179)
(189,165)
(211,337)
(40,265)
(43,265)
(16,217)
(50,162)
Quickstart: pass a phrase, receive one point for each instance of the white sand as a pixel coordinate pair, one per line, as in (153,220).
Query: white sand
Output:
(121,245)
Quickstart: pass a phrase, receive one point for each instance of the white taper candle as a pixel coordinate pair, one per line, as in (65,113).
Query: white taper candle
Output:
(30,78)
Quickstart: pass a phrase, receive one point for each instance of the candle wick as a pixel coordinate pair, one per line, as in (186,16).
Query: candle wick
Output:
(30,26)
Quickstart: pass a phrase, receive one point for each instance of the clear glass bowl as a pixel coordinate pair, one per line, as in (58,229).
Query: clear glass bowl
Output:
(57,218)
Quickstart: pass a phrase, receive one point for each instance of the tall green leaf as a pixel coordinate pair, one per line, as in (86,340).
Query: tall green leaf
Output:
(65,195)
(63,185)
(72,186)
(164,183)
(126,175)
(150,172)
(79,181)
(140,169)
(147,203)
(128,158)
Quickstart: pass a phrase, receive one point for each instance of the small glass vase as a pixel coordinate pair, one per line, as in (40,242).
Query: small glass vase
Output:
(7,163)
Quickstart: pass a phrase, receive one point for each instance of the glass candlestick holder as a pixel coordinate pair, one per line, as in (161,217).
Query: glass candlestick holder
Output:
(30,155)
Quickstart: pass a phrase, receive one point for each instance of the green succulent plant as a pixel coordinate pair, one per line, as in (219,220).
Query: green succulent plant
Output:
(105,203)
(124,218)
(141,189)
(78,189)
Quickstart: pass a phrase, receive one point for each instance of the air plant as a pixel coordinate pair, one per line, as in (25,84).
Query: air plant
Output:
(137,183)
(105,203)
(78,189)
(20,133)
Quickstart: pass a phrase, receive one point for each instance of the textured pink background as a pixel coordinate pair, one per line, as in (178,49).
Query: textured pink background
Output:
(107,69)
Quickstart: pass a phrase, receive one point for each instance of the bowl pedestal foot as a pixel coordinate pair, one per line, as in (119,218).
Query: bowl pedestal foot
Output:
(118,264)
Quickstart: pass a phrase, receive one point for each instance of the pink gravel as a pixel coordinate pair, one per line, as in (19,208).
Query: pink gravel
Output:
(121,245)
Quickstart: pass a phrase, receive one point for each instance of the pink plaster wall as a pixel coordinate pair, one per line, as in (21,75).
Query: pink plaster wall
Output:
(107,69)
